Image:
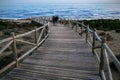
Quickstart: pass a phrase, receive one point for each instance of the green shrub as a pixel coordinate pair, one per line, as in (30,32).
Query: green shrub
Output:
(117,30)
(103,24)
(108,37)
(35,23)
(16,30)
(6,32)
(106,29)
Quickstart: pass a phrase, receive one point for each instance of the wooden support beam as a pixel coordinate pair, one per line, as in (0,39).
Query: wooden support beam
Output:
(76,27)
(14,49)
(101,67)
(87,33)
(35,36)
(82,29)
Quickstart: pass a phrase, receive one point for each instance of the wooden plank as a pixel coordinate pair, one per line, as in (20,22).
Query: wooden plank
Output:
(41,67)
(63,75)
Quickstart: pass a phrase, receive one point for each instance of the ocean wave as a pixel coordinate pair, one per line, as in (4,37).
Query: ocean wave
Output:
(71,11)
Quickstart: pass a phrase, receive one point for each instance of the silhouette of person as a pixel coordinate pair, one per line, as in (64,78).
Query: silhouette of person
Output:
(55,19)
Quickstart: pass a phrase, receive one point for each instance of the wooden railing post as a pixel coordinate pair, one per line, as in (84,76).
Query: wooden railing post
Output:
(15,49)
(106,63)
(87,33)
(82,28)
(107,66)
(35,36)
(76,26)
(101,67)
(93,43)
(72,26)
(69,23)
(45,31)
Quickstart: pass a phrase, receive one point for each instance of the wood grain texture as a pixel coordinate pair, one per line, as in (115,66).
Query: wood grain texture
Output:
(63,56)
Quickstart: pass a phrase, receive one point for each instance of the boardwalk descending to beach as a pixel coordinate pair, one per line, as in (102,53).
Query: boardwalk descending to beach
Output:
(63,56)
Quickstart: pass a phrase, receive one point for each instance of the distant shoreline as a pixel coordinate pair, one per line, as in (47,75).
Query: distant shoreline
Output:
(13,18)
(62,18)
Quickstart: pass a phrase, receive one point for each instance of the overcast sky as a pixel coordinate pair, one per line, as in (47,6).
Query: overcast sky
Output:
(60,1)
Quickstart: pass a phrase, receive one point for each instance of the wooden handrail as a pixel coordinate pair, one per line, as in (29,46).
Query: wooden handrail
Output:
(4,48)
(12,40)
(5,40)
(105,50)
(14,48)
(112,56)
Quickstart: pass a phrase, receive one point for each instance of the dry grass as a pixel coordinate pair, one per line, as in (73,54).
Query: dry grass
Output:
(19,27)
(114,43)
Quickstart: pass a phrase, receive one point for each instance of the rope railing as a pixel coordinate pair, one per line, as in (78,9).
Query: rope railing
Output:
(91,38)
(40,35)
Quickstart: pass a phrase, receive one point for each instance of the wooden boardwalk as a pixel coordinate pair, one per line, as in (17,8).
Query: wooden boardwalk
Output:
(63,56)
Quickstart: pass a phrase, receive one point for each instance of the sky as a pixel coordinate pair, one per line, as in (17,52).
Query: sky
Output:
(59,1)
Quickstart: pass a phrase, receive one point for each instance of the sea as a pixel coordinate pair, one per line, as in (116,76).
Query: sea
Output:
(79,11)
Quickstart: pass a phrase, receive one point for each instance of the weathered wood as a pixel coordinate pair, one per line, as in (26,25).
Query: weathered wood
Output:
(26,54)
(69,24)
(97,56)
(64,55)
(43,40)
(89,43)
(31,50)
(109,52)
(25,42)
(5,47)
(107,66)
(7,67)
(40,35)
(76,27)
(101,68)
(12,40)
(103,75)
(81,30)
(27,33)
(104,63)
(97,37)
(61,42)
(35,35)
(15,49)
(93,43)
(105,50)
(104,57)
(5,40)
(113,57)
(87,33)
(24,34)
